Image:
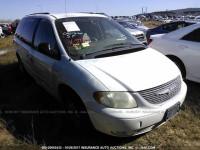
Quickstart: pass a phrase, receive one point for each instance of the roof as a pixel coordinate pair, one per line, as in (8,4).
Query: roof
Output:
(67,15)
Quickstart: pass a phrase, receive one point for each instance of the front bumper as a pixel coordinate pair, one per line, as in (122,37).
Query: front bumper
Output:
(130,122)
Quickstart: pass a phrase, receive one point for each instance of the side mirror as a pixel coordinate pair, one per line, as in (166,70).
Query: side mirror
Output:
(44,47)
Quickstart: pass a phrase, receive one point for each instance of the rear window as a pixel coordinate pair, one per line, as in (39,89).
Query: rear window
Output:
(176,26)
(193,36)
(170,27)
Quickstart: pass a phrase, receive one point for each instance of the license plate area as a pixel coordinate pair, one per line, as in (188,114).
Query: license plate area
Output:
(172,111)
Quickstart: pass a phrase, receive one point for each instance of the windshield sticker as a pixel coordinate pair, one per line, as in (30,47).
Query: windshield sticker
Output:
(71,26)
(79,40)
(122,38)
(92,44)
(77,46)
(71,34)
(85,44)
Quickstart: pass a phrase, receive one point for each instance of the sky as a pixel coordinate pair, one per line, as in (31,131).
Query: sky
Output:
(17,9)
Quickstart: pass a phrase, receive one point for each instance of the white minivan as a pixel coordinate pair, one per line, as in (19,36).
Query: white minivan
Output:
(90,62)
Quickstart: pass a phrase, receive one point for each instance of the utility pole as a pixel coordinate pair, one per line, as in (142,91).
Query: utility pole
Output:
(142,10)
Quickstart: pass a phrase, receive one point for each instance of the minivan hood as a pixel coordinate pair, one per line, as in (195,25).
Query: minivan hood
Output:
(132,72)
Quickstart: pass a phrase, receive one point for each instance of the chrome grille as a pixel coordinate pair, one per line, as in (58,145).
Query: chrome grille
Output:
(163,92)
(140,37)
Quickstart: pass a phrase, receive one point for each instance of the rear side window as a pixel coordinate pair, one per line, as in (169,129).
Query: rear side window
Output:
(29,29)
(20,28)
(26,29)
(193,36)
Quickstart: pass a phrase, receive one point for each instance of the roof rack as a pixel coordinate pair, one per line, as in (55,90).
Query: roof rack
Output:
(44,13)
(96,13)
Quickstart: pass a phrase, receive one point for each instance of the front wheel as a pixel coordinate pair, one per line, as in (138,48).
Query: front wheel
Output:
(2,36)
(76,110)
(22,70)
(181,67)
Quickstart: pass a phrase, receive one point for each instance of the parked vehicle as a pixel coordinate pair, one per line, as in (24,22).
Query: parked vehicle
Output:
(134,31)
(137,24)
(134,22)
(167,20)
(182,47)
(6,29)
(180,17)
(189,17)
(90,62)
(197,17)
(1,33)
(14,26)
(169,27)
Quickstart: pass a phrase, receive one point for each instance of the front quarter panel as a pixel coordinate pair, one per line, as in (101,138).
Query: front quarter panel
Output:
(81,81)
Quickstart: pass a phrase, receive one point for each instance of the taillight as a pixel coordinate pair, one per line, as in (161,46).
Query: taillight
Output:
(149,41)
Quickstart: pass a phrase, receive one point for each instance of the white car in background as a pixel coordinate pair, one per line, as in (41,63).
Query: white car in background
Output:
(183,47)
(1,33)
(134,31)
(197,17)
(137,24)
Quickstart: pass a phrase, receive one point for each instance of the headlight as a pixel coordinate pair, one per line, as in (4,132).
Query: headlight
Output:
(122,100)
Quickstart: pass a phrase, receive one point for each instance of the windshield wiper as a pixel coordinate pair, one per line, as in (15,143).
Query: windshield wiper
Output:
(120,45)
(86,54)
(113,48)
(107,48)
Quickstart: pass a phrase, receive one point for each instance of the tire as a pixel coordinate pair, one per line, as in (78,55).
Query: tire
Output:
(76,110)
(183,72)
(2,36)
(22,70)
(180,65)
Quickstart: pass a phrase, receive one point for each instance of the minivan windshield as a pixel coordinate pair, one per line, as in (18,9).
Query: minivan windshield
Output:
(83,36)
